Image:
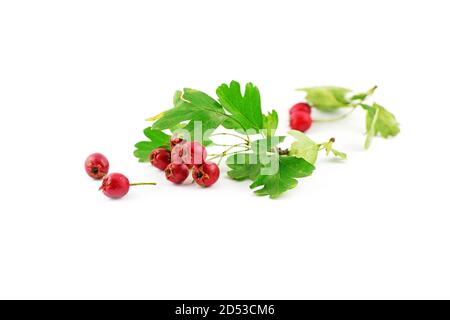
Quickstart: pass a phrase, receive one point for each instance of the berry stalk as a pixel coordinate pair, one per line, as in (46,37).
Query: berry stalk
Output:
(142,184)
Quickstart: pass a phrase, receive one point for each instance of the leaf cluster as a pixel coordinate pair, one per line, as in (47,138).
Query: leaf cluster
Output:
(379,121)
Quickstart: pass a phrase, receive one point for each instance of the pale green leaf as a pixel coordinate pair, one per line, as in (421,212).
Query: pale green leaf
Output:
(303,147)
(327,98)
(339,154)
(380,121)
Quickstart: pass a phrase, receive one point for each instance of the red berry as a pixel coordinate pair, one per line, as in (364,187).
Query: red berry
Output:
(177,173)
(160,158)
(96,166)
(300,121)
(176,154)
(115,185)
(175,140)
(193,153)
(302,106)
(206,174)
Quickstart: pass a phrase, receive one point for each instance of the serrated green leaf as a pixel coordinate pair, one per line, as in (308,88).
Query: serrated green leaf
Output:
(303,147)
(386,124)
(177,98)
(157,136)
(380,121)
(327,98)
(270,123)
(290,169)
(195,107)
(244,166)
(157,139)
(189,105)
(245,109)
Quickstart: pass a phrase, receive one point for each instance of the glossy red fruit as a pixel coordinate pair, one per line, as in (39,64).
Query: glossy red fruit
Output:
(193,153)
(300,121)
(177,173)
(160,158)
(96,166)
(115,185)
(302,106)
(175,140)
(206,174)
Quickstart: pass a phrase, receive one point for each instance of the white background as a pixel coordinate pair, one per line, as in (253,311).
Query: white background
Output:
(78,77)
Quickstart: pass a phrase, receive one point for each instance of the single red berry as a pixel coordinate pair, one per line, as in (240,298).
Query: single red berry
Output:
(160,158)
(206,174)
(302,106)
(193,153)
(96,166)
(300,121)
(115,185)
(175,140)
(177,173)
(176,154)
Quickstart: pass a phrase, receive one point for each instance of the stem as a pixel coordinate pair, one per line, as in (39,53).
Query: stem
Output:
(217,155)
(240,124)
(230,154)
(230,145)
(230,134)
(225,153)
(142,184)
(229,149)
(331,140)
(345,115)
(371,91)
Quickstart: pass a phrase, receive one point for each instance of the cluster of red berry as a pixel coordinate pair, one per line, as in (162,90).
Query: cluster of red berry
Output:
(177,162)
(300,117)
(182,157)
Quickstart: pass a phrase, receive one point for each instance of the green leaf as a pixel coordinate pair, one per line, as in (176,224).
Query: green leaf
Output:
(303,147)
(177,98)
(245,109)
(371,121)
(339,154)
(290,169)
(328,146)
(327,98)
(189,105)
(308,149)
(244,166)
(270,123)
(363,95)
(386,124)
(156,138)
(195,107)
(379,121)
